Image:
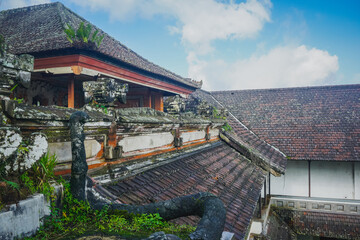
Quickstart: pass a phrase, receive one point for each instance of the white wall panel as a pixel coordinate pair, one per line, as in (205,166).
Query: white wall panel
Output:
(332,179)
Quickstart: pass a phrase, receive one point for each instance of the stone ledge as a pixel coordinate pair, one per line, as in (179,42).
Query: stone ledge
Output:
(24,218)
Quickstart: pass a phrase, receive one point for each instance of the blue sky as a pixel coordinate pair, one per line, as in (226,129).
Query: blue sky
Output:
(232,44)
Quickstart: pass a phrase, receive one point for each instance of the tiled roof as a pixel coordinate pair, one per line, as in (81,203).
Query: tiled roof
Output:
(311,123)
(218,169)
(246,138)
(39,28)
(311,223)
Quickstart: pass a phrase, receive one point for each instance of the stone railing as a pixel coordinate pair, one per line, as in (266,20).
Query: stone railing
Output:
(344,206)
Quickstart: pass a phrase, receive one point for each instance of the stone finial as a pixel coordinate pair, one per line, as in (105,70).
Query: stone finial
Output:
(174,105)
(105,91)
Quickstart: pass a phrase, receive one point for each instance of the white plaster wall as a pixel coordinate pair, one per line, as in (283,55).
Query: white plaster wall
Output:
(332,179)
(357,180)
(62,150)
(192,136)
(294,182)
(23,218)
(327,179)
(214,132)
(146,141)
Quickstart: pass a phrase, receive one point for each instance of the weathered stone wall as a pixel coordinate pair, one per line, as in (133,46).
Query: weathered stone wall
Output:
(118,135)
(277,228)
(17,153)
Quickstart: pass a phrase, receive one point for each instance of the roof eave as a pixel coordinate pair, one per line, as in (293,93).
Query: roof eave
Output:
(252,154)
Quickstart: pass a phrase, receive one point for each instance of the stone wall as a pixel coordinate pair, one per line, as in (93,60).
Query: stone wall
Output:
(24,218)
(116,136)
(17,152)
(277,228)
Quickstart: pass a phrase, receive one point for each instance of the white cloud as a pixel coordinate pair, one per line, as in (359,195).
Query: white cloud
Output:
(9,4)
(199,22)
(282,67)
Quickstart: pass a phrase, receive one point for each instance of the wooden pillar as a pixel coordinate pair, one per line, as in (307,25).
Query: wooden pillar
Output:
(161,102)
(71,91)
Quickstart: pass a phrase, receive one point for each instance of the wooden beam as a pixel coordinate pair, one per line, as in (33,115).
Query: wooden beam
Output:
(107,69)
(71,91)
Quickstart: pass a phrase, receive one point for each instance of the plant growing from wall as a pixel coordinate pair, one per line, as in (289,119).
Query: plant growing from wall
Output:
(83,34)
(39,178)
(226,127)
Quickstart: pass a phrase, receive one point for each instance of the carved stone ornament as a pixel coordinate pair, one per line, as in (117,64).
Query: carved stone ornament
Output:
(14,70)
(105,91)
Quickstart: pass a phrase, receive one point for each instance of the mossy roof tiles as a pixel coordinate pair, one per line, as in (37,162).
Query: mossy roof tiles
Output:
(309,123)
(218,169)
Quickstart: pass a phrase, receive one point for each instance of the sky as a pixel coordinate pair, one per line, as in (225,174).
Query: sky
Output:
(235,44)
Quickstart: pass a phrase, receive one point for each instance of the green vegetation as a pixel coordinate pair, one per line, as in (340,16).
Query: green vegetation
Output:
(83,34)
(77,218)
(18,100)
(39,178)
(99,106)
(226,127)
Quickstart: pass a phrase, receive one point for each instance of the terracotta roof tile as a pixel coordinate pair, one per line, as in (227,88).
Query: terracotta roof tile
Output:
(312,123)
(218,169)
(247,139)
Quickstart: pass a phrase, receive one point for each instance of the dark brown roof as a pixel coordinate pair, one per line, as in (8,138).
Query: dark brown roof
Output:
(218,169)
(246,138)
(311,123)
(39,28)
(311,223)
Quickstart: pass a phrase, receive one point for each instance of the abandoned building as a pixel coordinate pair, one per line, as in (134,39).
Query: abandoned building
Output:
(287,169)
(317,128)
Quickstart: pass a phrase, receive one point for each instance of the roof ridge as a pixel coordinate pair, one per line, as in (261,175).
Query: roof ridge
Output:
(32,7)
(290,88)
(60,5)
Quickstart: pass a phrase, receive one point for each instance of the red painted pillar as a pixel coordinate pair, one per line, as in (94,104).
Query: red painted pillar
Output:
(71,91)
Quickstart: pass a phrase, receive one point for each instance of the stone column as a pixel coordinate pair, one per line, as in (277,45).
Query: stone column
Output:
(79,166)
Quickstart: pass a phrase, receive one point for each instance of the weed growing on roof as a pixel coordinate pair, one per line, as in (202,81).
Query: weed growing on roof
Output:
(226,127)
(83,34)
(77,218)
